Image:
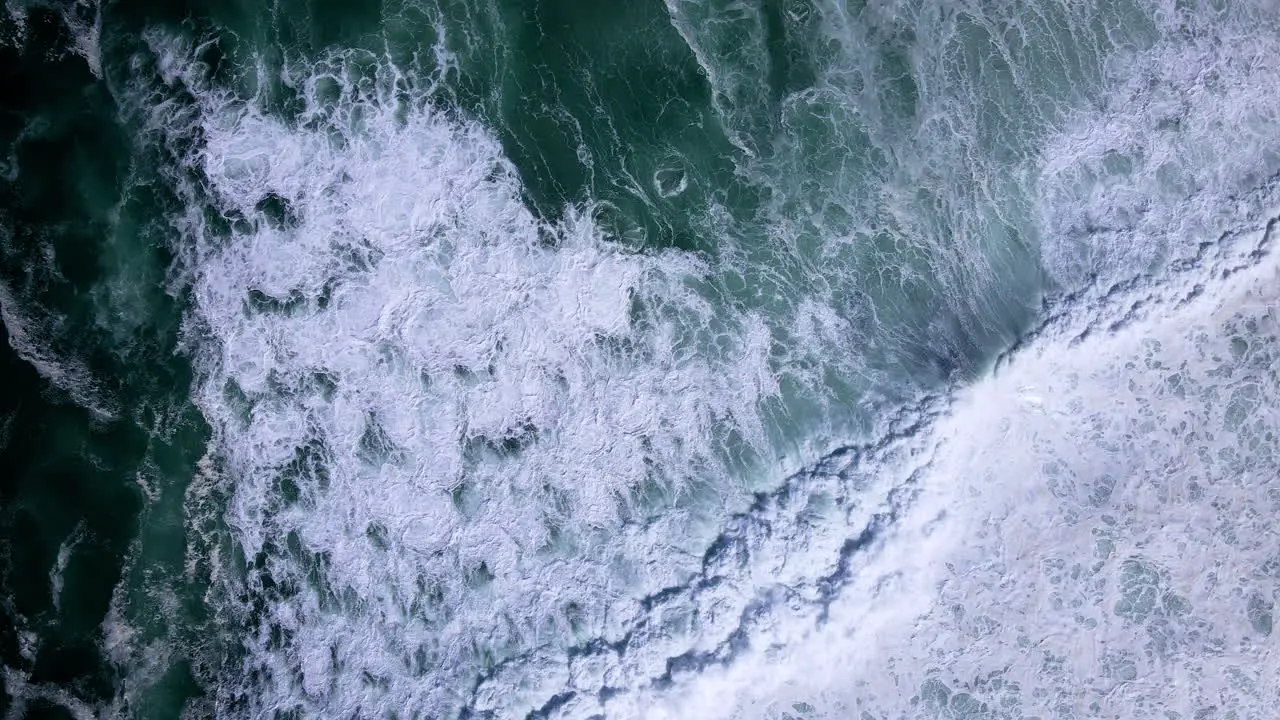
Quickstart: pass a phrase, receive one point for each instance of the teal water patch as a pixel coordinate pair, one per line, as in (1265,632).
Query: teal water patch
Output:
(604,105)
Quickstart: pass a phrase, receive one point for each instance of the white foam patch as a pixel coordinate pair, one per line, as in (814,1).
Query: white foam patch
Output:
(454,435)
(1093,538)
(18,17)
(29,335)
(21,692)
(84,20)
(1173,152)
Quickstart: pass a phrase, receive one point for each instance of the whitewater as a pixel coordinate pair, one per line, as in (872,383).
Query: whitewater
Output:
(760,360)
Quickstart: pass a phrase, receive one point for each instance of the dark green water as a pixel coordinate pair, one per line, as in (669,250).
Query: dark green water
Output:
(562,359)
(99,434)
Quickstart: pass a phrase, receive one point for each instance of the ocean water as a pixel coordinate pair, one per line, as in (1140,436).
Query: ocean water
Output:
(776,359)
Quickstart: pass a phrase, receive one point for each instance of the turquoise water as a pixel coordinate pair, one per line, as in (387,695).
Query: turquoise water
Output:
(750,359)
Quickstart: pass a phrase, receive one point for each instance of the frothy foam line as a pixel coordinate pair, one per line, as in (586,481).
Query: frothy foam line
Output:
(65,373)
(60,566)
(22,692)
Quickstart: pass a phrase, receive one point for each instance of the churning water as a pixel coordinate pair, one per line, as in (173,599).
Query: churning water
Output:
(689,359)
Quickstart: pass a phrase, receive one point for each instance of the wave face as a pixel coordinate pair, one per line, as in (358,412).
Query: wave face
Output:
(751,359)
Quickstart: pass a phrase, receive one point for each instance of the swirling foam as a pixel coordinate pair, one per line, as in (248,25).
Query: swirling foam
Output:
(454,434)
